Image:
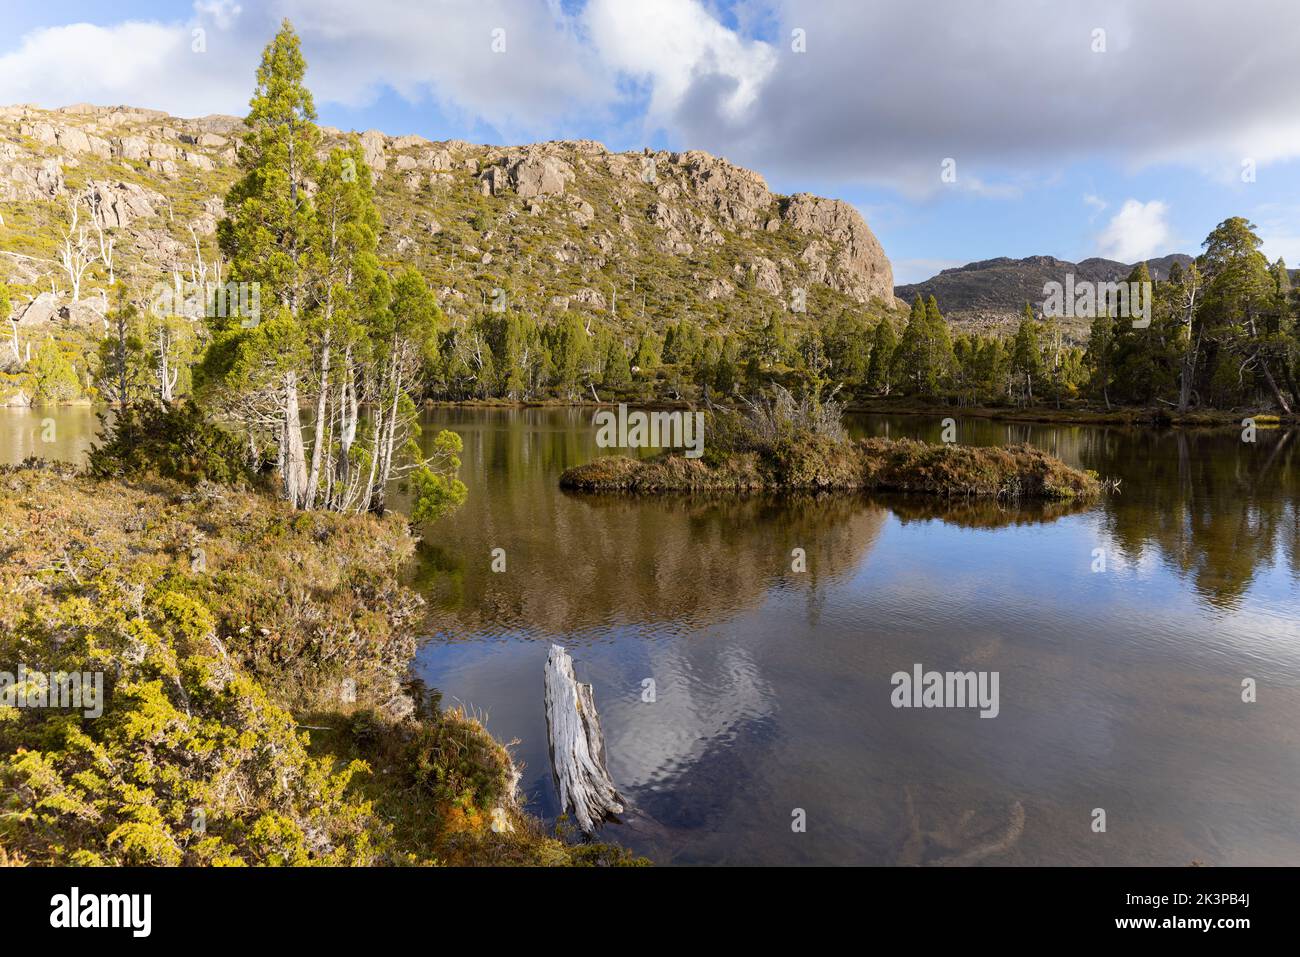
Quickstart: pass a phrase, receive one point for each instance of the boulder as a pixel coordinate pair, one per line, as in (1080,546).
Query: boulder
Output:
(44,308)
(44,180)
(590,297)
(541,175)
(765,275)
(437,160)
(373,146)
(494,180)
(117,205)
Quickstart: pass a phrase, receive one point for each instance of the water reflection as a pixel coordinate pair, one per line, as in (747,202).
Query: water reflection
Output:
(59,433)
(772,688)
(1119,690)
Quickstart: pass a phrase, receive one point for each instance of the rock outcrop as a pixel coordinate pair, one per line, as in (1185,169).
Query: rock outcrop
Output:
(641,237)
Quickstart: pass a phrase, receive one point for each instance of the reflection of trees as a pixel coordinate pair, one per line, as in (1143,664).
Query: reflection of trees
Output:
(588,562)
(582,561)
(976,512)
(1217,509)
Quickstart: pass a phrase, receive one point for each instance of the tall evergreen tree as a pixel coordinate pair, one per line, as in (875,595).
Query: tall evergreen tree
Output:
(267,236)
(883,344)
(1101,354)
(912,356)
(938,345)
(1026,356)
(1240,291)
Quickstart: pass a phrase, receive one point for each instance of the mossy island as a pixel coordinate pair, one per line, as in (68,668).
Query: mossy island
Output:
(778,444)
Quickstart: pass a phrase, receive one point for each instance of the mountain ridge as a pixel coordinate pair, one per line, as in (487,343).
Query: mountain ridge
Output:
(644,238)
(993,292)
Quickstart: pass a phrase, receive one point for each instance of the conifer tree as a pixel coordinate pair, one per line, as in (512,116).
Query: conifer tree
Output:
(1026,357)
(883,344)
(911,357)
(939,346)
(268,237)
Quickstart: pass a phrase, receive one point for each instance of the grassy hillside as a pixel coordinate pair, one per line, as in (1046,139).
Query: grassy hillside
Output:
(633,241)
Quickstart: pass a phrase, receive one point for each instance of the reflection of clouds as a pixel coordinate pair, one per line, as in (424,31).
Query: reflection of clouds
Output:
(773,688)
(705,691)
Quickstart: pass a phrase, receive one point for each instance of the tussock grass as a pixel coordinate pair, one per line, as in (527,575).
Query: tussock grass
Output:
(820,463)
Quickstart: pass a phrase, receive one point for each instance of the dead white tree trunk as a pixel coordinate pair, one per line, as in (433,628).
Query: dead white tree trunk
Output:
(76,255)
(577,746)
(105,239)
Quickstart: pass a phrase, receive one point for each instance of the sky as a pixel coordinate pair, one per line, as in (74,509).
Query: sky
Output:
(961,130)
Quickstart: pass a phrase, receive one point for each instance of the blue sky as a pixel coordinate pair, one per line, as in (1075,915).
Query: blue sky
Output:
(1073,129)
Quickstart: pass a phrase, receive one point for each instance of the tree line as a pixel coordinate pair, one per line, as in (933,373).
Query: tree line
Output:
(352,344)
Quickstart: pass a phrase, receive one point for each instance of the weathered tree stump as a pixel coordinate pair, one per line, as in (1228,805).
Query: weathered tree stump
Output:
(577,746)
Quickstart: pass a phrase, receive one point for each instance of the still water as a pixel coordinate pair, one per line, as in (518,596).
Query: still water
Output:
(1120,690)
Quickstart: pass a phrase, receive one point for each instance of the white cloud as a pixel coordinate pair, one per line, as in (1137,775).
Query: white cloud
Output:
(223,13)
(133,63)
(445,51)
(887,90)
(442,51)
(1010,89)
(675,44)
(1138,231)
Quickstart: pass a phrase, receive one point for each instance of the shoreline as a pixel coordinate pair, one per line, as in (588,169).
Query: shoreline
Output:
(174,610)
(1126,416)
(1131,416)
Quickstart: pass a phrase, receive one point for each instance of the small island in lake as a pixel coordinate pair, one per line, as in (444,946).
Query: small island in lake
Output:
(779,444)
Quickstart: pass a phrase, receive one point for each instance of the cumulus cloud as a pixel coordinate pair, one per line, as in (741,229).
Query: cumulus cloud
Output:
(1138,231)
(675,45)
(515,66)
(133,63)
(519,67)
(874,94)
(885,91)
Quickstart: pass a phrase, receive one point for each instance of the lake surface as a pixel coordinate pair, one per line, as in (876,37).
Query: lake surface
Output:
(1120,690)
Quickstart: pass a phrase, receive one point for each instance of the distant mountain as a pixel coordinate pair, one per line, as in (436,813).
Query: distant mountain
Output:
(985,292)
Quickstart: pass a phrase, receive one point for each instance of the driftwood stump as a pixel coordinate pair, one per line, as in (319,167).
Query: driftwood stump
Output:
(577,746)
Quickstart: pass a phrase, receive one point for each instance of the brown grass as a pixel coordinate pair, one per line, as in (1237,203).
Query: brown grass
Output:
(813,463)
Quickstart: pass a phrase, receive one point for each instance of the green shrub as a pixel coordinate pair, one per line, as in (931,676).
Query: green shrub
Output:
(52,377)
(172,441)
(189,763)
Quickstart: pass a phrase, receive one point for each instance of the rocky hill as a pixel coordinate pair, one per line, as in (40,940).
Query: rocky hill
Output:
(993,292)
(642,238)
